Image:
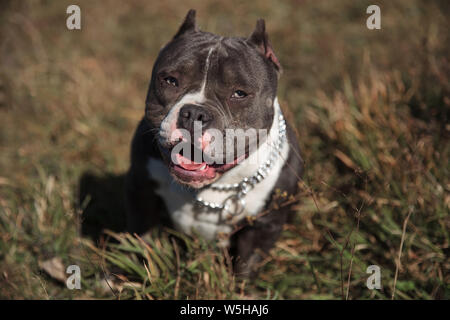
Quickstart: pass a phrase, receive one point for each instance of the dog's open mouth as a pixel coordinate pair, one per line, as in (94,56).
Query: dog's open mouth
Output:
(198,171)
(195,166)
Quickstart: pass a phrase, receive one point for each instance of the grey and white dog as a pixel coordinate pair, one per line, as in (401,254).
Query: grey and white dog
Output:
(225,83)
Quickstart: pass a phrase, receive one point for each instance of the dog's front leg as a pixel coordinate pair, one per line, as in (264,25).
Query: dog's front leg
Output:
(253,242)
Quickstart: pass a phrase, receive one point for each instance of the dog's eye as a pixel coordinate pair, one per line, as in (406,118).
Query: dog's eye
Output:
(172,81)
(239,94)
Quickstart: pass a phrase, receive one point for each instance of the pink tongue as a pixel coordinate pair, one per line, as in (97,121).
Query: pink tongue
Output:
(187,164)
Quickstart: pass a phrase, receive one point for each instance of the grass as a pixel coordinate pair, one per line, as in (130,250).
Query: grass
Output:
(371,109)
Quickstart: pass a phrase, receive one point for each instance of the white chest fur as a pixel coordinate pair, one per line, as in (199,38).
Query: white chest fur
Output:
(180,201)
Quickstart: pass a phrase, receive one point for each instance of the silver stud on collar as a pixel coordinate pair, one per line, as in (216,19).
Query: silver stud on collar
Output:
(235,204)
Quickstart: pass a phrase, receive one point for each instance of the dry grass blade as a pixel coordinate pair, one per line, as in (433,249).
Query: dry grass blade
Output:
(400,249)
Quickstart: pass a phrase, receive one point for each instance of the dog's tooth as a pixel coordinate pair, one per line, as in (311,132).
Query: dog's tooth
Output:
(203,167)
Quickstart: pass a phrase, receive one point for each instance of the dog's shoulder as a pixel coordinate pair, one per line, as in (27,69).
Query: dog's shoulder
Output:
(286,186)
(292,170)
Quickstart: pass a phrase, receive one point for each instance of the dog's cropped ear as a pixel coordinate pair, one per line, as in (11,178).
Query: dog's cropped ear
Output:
(260,39)
(189,24)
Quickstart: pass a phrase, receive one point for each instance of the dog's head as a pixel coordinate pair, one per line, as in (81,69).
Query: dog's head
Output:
(204,86)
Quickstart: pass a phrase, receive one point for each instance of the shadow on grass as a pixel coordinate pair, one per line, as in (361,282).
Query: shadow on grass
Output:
(102,199)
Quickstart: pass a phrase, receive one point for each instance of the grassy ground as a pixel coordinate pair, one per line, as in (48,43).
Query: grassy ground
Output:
(371,108)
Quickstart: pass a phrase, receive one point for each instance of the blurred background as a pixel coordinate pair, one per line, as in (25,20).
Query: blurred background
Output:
(371,108)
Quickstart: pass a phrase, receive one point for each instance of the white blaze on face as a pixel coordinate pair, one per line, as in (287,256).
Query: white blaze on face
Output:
(168,130)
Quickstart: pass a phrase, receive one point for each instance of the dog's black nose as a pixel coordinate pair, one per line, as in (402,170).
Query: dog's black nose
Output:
(190,113)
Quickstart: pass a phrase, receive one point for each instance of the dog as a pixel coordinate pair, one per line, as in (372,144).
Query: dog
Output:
(221,83)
